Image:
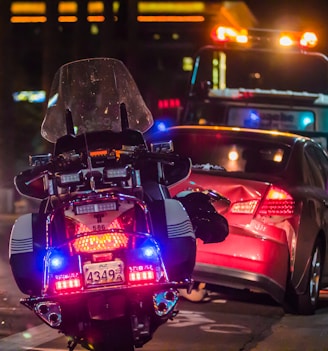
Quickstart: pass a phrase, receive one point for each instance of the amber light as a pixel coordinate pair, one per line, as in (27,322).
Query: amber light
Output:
(309,40)
(286,40)
(170,18)
(99,153)
(100,242)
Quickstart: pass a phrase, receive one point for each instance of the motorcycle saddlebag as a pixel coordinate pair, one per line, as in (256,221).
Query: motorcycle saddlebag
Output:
(26,252)
(174,232)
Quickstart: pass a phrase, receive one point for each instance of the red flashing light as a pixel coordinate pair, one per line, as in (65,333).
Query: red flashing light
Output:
(228,35)
(68,284)
(168,103)
(141,273)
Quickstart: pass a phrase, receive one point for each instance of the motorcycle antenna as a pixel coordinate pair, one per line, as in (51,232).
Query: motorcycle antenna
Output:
(69,122)
(124,117)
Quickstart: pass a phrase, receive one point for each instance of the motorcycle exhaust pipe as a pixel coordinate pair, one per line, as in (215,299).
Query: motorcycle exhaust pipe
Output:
(49,312)
(165,302)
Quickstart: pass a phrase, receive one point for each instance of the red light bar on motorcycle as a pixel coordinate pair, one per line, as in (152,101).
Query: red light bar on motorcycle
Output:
(141,273)
(263,38)
(100,242)
(64,283)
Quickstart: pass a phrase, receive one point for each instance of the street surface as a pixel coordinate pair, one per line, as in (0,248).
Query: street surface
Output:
(228,321)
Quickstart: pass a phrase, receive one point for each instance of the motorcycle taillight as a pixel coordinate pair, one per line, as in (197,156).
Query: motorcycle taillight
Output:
(63,273)
(67,282)
(95,242)
(141,273)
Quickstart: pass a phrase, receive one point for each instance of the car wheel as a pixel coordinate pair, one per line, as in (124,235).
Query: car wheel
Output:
(306,303)
(197,294)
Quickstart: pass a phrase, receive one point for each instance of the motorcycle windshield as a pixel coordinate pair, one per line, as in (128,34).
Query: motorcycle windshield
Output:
(93,90)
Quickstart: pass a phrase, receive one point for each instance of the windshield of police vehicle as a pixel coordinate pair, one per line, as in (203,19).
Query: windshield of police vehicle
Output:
(251,69)
(93,90)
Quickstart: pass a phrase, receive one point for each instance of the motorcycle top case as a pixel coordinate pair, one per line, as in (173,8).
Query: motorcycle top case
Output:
(26,252)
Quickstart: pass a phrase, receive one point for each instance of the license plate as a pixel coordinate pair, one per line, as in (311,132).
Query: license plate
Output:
(102,273)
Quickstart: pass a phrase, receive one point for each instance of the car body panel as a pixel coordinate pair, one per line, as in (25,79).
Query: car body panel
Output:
(260,252)
(246,265)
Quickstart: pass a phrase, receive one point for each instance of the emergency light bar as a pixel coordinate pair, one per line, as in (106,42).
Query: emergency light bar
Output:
(263,38)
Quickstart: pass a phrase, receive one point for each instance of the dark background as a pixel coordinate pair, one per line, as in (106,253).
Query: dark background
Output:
(293,15)
(31,53)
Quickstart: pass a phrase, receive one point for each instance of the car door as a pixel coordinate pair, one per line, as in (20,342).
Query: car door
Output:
(318,159)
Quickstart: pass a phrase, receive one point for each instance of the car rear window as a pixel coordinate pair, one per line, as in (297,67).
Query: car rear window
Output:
(219,152)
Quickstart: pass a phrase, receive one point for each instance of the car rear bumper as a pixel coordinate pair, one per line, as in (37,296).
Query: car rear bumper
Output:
(245,261)
(233,278)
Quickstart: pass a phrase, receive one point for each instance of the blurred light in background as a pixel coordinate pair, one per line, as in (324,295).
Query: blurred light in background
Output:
(35,96)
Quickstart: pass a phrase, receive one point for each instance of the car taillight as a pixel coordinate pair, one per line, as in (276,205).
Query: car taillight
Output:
(100,242)
(277,202)
(68,282)
(244,207)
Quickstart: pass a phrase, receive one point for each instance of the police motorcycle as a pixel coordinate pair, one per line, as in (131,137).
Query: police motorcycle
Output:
(103,259)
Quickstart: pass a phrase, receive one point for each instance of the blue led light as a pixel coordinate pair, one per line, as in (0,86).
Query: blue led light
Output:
(161,126)
(307,120)
(56,262)
(149,252)
(253,120)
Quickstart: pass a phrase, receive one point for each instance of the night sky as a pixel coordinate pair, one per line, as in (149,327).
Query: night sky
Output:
(293,15)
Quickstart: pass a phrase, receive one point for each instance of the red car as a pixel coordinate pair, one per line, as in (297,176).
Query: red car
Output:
(277,184)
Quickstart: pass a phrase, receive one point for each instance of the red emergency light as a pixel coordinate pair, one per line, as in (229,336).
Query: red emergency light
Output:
(263,37)
(168,103)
